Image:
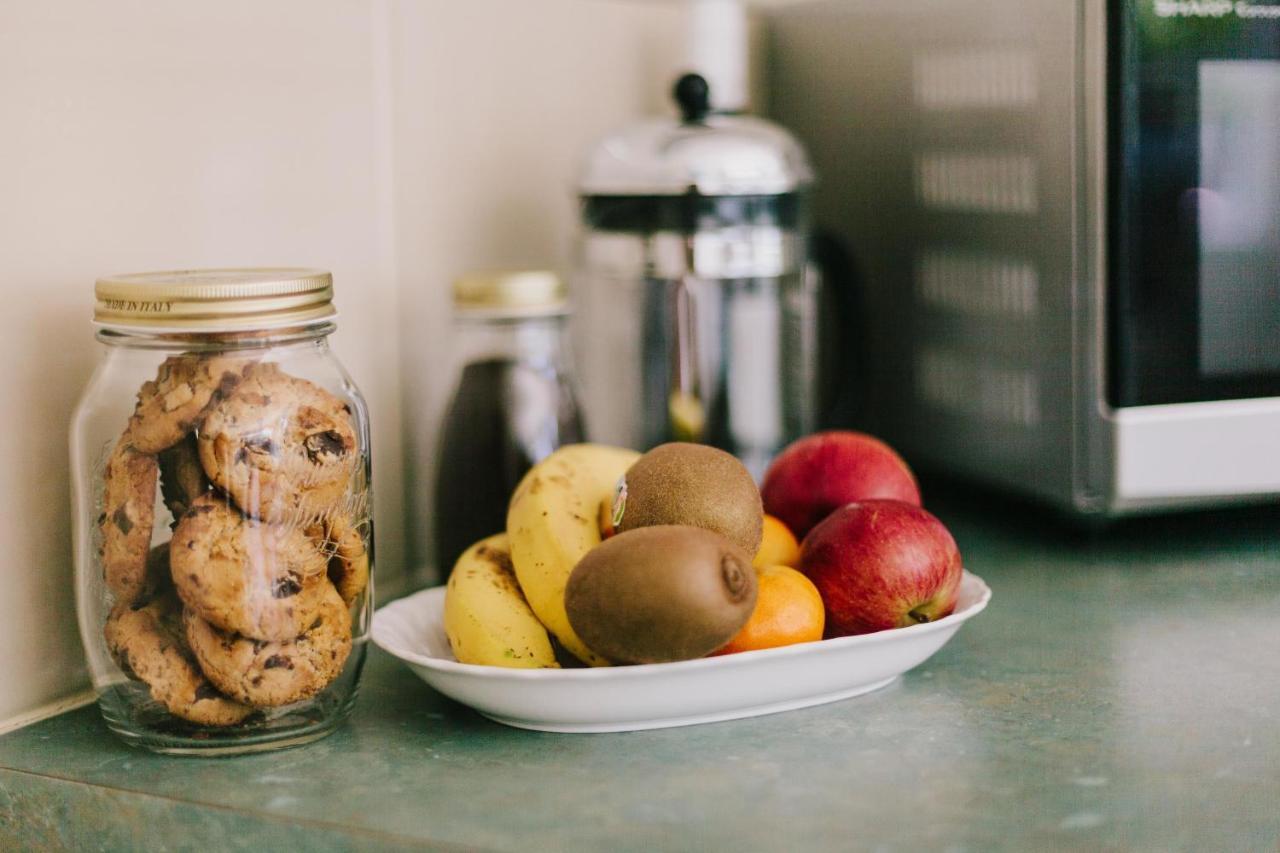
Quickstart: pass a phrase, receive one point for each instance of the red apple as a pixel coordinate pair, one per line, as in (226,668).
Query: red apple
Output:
(822,472)
(882,564)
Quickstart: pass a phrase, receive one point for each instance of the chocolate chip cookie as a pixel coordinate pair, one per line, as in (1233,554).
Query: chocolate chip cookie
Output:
(128,514)
(261,580)
(147,641)
(171,405)
(182,478)
(282,447)
(268,674)
(340,541)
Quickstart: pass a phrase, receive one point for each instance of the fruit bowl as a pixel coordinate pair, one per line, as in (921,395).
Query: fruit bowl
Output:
(652,696)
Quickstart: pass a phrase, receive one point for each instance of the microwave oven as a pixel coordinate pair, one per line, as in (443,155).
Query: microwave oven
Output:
(1065,216)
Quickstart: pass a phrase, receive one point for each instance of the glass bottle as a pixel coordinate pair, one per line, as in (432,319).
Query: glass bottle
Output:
(513,403)
(223,533)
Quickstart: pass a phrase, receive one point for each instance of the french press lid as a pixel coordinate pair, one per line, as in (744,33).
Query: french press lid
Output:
(705,170)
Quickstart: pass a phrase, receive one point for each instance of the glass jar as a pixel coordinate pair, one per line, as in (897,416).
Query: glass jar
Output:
(223,524)
(513,403)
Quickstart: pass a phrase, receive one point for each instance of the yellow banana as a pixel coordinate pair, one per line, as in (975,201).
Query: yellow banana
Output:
(485,614)
(554,520)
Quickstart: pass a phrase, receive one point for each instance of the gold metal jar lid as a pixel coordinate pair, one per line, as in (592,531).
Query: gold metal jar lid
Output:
(509,293)
(214,300)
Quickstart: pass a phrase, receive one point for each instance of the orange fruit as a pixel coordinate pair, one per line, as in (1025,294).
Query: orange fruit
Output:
(778,546)
(605,517)
(788,610)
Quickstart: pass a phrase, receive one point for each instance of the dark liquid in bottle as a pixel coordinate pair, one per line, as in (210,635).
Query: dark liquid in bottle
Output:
(505,416)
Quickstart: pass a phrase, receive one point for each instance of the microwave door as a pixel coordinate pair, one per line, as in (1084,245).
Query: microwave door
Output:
(1194,310)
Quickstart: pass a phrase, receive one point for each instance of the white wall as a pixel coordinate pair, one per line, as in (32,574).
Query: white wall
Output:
(496,101)
(395,142)
(158,135)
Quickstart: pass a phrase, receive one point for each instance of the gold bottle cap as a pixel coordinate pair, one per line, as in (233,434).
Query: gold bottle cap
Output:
(214,300)
(510,293)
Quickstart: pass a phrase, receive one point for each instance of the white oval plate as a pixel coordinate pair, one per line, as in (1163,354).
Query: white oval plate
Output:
(654,696)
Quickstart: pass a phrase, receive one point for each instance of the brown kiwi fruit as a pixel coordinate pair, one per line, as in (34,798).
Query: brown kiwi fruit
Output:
(693,484)
(659,594)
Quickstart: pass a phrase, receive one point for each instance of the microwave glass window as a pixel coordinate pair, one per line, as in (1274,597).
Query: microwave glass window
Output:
(1238,201)
(1194,296)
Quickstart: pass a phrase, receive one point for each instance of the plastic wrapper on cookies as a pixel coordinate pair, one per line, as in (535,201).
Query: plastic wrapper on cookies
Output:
(223,538)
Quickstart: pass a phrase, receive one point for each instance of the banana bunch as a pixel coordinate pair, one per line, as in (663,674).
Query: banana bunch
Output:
(505,598)
(486,616)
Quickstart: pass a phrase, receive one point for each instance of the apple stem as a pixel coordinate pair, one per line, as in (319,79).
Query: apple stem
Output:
(918,616)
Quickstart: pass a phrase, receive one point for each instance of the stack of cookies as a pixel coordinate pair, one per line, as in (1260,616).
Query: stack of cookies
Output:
(248,605)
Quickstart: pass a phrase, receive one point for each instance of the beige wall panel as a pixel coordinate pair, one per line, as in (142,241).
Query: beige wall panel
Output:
(496,101)
(158,135)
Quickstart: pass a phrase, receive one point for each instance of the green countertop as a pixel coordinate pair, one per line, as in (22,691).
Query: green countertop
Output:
(1122,691)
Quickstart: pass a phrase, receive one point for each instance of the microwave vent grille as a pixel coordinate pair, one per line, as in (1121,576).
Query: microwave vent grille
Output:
(961,384)
(985,183)
(974,283)
(977,79)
